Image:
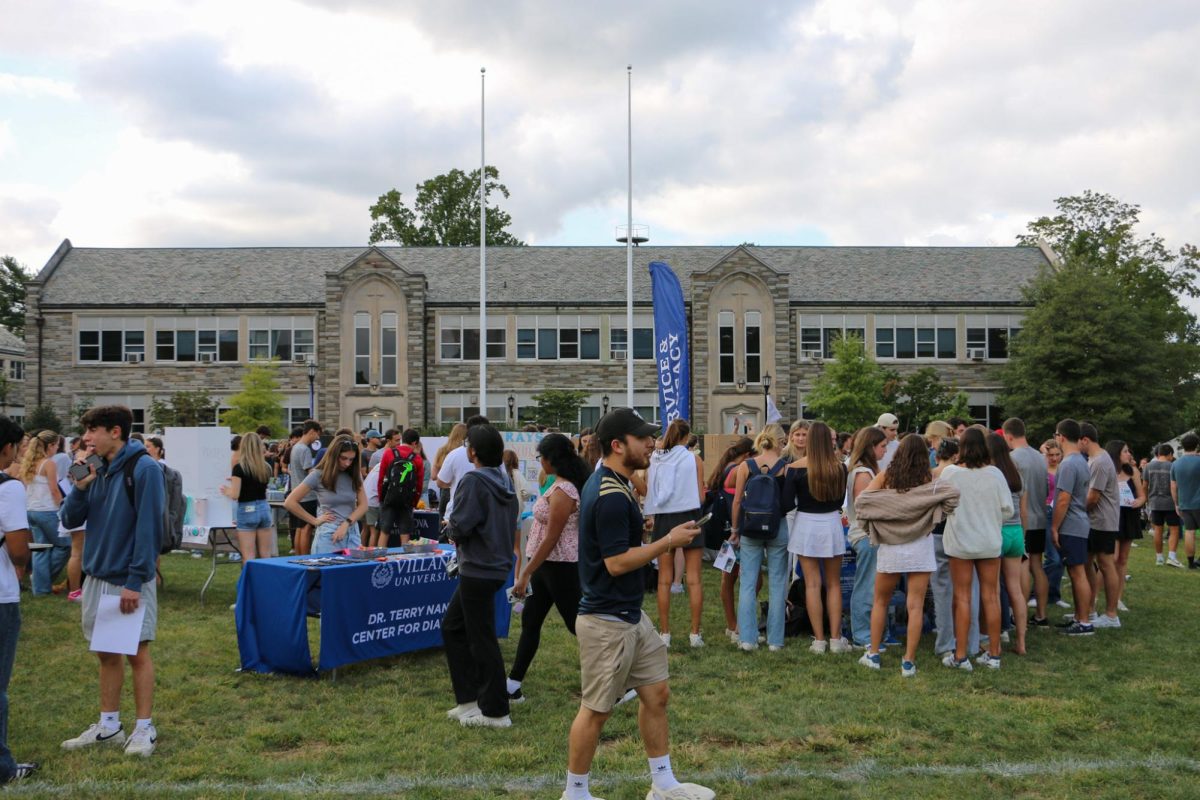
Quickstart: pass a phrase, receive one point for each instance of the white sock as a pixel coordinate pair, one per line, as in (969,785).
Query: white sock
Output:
(1173,557)
(661,773)
(577,787)
(513,685)
(142,724)
(110,720)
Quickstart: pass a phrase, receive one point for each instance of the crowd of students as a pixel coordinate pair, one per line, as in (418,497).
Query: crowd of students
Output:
(980,520)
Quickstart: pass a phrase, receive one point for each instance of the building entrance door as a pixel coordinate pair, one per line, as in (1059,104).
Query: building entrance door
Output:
(374,419)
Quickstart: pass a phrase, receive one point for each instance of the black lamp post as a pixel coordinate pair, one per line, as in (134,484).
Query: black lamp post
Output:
(604,402)
(312,379)
(512,413)
(766,395)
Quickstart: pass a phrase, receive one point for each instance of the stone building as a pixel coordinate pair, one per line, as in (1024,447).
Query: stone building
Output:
(12,375)
(390,336)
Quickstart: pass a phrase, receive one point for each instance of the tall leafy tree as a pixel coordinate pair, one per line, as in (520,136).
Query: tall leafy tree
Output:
(13,278)
(183,410)
(922,397)
(445,213)
(258,403)
(1108,338)
(848,393)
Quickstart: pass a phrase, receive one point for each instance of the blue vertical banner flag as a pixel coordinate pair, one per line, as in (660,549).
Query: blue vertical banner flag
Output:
(670,344)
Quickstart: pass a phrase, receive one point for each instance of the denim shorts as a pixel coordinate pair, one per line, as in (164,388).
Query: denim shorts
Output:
(254,515)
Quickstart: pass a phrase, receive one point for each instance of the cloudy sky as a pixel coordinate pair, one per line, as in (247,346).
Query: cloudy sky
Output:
(278,122)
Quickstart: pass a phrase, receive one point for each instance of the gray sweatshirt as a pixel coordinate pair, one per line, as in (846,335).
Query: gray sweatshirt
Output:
(481,523)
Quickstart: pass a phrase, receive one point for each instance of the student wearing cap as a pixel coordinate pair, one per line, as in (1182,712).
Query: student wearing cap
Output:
(619,648)
(890,425)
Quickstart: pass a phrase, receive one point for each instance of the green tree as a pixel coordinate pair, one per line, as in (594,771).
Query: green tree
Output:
(13,278)
(1108,339)
(960,406)
(921,398)
(559,408)
(849,391)
(82,404)
(183,410)
(258,403)
(43,418)
(5,386)
(445,213)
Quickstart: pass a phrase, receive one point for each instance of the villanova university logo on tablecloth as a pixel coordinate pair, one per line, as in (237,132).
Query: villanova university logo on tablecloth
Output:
(382,575)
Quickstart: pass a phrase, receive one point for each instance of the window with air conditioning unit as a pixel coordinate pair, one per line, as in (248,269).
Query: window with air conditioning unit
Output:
(810,355)
(300,361)
(135,358)
(618,355)
(976,353)
(206,358)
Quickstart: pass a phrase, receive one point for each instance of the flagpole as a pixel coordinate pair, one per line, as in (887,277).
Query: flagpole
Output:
(629,248)
(483,405)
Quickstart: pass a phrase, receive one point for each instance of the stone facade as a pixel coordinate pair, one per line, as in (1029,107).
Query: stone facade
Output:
(758,288)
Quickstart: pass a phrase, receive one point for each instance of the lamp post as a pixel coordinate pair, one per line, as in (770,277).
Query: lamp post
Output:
(604,402)
(312,379)
(766,395)
(512,410)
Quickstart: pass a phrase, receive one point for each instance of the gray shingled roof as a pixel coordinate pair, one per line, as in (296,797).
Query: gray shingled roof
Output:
(10,342)
(566,275)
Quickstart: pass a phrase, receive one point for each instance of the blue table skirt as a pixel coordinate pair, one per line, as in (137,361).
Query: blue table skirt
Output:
(368,610)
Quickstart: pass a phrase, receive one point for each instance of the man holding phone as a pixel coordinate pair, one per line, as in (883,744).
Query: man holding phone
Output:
(119,557)
(619,649)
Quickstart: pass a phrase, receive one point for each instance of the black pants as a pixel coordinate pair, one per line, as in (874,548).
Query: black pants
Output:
(555,585)
(472,650)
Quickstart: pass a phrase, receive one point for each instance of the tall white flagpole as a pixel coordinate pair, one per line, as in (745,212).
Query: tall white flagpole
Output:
(629,251)
(483,404)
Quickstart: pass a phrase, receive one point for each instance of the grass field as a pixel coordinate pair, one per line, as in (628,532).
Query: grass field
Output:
(1114,715)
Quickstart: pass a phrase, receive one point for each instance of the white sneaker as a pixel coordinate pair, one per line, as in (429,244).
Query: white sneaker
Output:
(908,669)
(839,645)
(676,588)
(463,708)
(1159,560)
(747,647)
(684,791)
(1032,602)
(666,637)
(141,742)
(869,660)
(732,635)
(95,734)
(1121,606)
(991,662)
(774,648)
(1004,637)
(1105,621)
(1062,603)
(818,646)
(1174,562)
(949,661)
(695,640)
(478,720)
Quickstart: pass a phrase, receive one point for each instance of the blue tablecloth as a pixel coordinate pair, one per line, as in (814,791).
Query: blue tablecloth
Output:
(368,610)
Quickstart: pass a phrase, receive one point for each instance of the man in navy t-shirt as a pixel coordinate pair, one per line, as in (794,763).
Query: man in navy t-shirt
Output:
(619,649)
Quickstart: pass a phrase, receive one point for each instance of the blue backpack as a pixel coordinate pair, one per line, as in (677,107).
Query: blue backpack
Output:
(760,501)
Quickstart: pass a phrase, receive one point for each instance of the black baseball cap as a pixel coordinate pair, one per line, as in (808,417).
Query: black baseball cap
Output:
(622,422)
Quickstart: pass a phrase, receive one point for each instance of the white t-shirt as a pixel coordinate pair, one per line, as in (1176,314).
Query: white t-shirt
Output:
(892,447)
(453,468)
(371,486)
(12,518)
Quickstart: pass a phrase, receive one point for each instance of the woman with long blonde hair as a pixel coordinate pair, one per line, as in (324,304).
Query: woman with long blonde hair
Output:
(248,487)
(457,436)
(816,487)
(42,499)
(797,440)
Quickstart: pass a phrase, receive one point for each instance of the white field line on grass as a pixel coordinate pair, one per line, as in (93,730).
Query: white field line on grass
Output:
(862,771)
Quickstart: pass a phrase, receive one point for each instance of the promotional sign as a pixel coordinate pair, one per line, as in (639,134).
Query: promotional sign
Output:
(202,456)
(670,344)
(368,610)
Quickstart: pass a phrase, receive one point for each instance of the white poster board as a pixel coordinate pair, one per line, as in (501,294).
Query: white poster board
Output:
(202,457)
(525,446)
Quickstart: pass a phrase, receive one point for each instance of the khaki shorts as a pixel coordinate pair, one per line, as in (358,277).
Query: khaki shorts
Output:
(90,601)
(615,657)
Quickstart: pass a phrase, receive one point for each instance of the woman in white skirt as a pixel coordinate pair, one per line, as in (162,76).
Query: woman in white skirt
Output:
(815,486)
(899,510)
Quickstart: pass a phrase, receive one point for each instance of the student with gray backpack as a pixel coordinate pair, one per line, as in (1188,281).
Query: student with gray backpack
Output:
(758,532)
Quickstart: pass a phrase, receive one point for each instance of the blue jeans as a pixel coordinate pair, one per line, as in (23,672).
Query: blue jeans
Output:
(863,595)
(10,627)
(323,539)
(1052,563)
(47,563)
(750,561)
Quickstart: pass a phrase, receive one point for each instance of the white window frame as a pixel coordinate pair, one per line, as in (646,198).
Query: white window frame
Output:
(196,326)
(387,359)
(1010,323)
(261,337)
(616,323)
(917,324)
(452,333)
(125,326)
(362,353)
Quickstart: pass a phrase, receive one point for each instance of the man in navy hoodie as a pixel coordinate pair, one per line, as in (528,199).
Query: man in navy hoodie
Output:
(125,532)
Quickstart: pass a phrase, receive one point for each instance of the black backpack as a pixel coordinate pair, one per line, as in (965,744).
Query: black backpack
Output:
(399,487)
(760,502)
(717,503)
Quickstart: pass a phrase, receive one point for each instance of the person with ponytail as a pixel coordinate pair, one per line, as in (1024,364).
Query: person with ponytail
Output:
(551,552)
(722,486)
(674,490)
(248,488)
